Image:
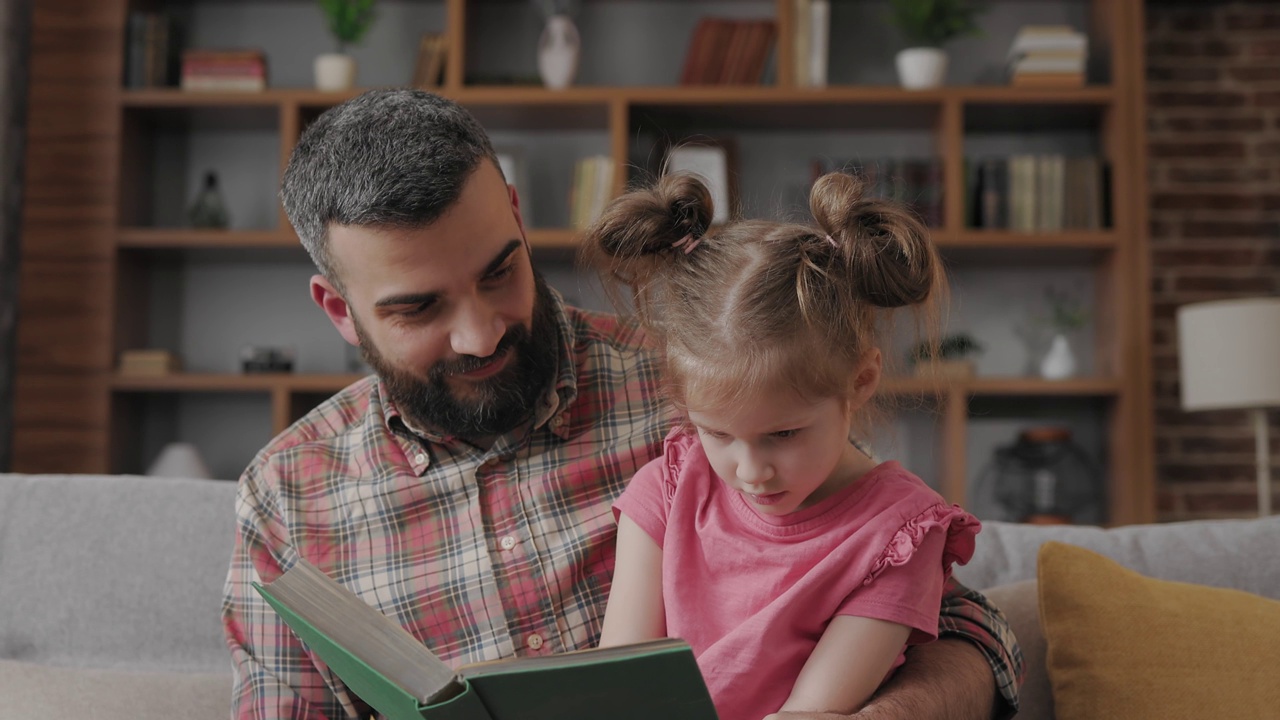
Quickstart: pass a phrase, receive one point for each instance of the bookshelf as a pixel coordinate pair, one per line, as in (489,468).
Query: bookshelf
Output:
(108,265)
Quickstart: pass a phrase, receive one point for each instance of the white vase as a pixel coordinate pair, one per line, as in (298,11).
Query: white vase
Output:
(558,52)
(335,71)
(921,68)
(1060,362)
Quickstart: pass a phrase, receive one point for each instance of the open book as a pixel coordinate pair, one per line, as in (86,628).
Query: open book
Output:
(402,679)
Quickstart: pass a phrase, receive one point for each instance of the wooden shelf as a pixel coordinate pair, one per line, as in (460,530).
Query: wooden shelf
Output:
(682,95)
(1002,386)
(186,238)
(230,382)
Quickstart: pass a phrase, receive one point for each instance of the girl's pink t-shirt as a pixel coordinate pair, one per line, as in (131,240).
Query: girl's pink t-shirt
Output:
(752,593)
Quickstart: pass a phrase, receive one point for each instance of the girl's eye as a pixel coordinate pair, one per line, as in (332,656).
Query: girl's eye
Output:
(714,434)
(784,434)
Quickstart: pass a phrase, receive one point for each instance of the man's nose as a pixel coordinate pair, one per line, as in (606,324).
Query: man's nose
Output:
(477,329)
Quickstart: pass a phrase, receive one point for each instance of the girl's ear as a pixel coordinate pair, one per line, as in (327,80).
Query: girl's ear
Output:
(867,379)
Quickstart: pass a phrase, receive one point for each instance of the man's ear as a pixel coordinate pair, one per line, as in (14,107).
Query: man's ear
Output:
(515,212)
(324,294)
(868,378)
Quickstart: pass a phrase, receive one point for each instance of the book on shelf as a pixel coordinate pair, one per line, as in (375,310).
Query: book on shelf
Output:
(811,40)
(915,182)
(151,42)
(592,189)
(432,54)
(728,52)
(224,70)
(387,667)
(1037,193)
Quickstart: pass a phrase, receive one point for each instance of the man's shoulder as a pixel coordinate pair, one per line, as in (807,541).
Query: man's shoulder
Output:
(340,420)
(607,330)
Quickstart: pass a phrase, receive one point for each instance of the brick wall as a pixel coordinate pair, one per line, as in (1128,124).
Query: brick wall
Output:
(1213,91)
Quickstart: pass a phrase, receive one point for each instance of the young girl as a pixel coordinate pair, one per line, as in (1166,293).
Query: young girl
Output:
(797,568)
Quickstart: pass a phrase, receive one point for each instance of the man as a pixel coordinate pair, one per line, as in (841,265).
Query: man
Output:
(465,489)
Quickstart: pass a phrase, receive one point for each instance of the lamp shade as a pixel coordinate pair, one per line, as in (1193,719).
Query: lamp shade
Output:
(179,460)
(1229,352)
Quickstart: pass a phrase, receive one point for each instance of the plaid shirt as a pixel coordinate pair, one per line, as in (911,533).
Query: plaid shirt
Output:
(480,554)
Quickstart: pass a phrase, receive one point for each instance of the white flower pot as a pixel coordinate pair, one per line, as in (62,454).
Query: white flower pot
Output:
(335,71)
(1060,362)
(922,68)
(558,52)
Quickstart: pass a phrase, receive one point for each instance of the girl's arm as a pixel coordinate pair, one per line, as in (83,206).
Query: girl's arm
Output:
(849,663)
(635,611)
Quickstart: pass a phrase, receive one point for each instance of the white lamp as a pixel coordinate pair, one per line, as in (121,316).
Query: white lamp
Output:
(179,460)
(1229,351)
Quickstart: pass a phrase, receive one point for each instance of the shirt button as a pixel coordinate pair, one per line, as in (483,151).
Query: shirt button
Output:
(558,421)
(534,642)
(420,458)
(507,542)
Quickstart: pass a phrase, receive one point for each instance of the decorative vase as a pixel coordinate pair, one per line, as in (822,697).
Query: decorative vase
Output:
(335,71)
(1060,362)
(558,52)
(179,460)
(921,68)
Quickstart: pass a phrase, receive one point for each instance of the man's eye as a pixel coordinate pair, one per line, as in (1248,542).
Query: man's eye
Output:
(501,272)
(416,310)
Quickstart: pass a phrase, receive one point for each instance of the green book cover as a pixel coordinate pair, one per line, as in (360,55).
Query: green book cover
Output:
(402,679)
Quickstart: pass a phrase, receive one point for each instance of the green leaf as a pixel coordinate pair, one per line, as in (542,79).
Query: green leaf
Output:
(348,19)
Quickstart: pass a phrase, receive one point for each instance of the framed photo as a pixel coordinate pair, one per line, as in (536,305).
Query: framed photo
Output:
(713,161)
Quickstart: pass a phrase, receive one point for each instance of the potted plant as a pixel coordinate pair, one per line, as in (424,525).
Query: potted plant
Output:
(348,20)
(927,26)
(1067,314)
(950,357)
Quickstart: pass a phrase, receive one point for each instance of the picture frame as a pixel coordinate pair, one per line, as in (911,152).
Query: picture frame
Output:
(714,161)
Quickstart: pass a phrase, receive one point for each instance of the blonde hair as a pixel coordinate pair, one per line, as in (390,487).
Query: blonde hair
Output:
(760,305)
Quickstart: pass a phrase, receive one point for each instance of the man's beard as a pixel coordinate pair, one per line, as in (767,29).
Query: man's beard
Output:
(495,405)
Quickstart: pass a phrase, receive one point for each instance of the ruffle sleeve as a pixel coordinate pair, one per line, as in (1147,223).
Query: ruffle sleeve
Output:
(961,529)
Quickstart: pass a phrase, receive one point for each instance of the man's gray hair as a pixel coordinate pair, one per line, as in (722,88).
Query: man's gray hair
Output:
(388,158)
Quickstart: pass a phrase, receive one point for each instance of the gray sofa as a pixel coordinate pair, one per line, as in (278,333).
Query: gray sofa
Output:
(110,589)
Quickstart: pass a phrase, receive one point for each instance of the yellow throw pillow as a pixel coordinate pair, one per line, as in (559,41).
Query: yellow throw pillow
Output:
(1121,645)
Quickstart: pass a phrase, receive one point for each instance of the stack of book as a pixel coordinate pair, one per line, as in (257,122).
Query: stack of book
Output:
(148,362)
(150,51)
(224,70)
(729,52)
(1048,56)
(592,189)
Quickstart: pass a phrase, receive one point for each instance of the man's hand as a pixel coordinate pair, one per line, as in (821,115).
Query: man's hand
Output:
(948,679)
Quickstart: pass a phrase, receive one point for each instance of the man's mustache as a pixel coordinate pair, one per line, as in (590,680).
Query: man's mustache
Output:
(467,363)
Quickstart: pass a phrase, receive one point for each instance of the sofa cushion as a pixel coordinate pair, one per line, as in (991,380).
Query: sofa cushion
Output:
(1124,645)
(40,691)
(1238,554)
(115,571)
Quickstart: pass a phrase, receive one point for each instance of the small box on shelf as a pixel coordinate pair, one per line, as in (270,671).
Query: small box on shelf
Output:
(150,361)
